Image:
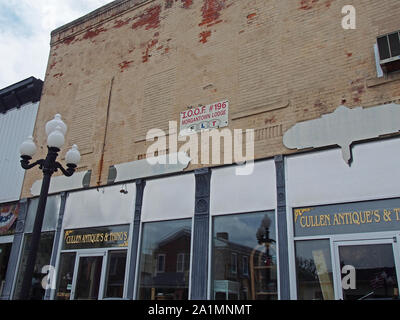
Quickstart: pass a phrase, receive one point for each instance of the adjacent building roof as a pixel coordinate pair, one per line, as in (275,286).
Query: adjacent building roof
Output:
(20,93)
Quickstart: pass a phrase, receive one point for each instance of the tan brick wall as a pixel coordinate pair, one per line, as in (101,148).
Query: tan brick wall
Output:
(289,60)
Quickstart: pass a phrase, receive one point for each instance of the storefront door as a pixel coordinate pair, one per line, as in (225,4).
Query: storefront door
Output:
(92,264)
(93,275)
(88,278)
(367,269)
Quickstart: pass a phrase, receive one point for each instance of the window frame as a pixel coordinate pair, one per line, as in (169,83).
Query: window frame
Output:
(158,264)
(182,263)
(234,263)
(245,265)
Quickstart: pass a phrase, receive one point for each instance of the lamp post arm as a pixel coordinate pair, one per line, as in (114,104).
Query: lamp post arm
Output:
(67,172)
(26,165)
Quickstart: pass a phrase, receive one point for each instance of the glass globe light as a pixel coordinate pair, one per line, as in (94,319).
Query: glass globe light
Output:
(56,138)
(28,147)
(73,156)
(55,123)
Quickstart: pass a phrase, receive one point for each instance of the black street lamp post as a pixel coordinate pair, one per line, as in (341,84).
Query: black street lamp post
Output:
(56,130)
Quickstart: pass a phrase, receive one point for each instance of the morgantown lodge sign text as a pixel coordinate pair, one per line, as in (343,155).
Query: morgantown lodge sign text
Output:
(100,237)
(359,217)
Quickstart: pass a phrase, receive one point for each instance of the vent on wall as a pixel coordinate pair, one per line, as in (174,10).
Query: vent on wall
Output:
(389,51)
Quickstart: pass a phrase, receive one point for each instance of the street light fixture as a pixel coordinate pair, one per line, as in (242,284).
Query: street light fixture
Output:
(55,130)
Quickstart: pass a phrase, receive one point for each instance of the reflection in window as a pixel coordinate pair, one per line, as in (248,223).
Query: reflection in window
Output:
(314,270)
(161,263)
(375,270)
(245,265)
(88,278)
(5,250)
(164,257)
(180,264)
(249,238)
(115,277)
(66,272)
(234,263)
(42,259)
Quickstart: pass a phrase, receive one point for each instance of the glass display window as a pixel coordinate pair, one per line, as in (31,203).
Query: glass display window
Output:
(248,238)
(42,260)
(164,269)
(314,270)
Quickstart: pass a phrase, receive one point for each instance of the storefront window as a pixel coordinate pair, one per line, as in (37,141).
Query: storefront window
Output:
(5,250)
(164,260)
(8,220)
(42,259)
(116,266)
(66,273)
(251,239)
(314,270)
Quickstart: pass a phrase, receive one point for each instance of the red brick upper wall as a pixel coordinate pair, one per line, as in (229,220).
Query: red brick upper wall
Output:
(131,66)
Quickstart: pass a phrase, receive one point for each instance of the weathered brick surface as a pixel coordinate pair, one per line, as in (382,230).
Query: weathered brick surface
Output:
(146,61)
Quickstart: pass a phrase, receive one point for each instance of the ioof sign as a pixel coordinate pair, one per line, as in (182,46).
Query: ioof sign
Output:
(212,116)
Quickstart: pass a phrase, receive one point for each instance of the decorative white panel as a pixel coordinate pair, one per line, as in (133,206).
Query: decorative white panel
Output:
(103,206)
(169,198)
(343,127)
(15,126)
(231,193)
(144,169)
(323,178)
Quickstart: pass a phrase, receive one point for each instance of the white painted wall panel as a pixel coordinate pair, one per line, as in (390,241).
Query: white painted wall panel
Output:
(324,178)
(169,198)
(231,193)
(104,206)
(15,126)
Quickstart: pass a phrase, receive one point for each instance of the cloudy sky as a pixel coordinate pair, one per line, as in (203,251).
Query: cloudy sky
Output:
(25,27)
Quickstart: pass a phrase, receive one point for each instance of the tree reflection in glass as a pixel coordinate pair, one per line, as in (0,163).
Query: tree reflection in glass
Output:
(314,270)
(249,241)
(165,260)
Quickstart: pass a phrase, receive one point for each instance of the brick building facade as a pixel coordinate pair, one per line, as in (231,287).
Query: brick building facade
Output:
(314,93)
(132,66)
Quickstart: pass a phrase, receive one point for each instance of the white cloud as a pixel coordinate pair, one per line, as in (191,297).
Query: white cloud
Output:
(25,27)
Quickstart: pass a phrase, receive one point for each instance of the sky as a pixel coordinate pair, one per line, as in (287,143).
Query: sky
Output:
(25,27)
